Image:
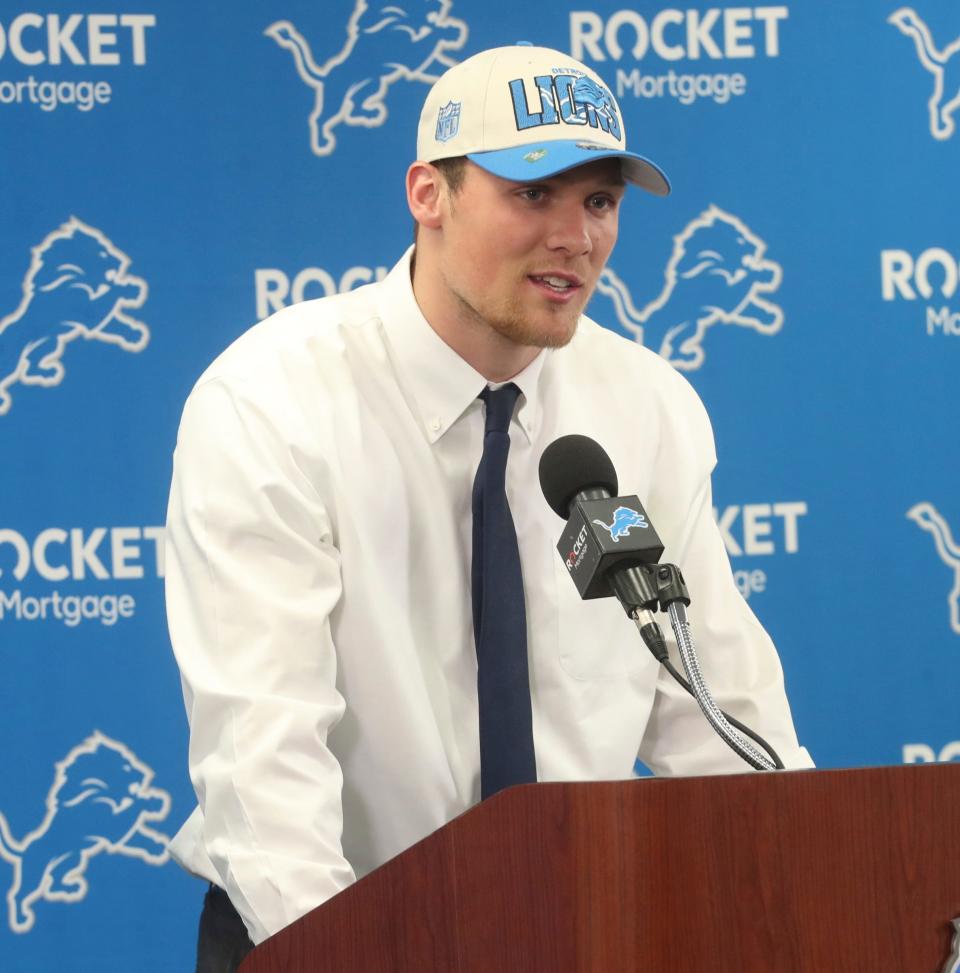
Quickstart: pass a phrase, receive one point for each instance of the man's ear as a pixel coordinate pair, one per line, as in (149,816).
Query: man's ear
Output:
(425,191)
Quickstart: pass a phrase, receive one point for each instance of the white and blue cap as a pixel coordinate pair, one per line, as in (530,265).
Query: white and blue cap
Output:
(527,113)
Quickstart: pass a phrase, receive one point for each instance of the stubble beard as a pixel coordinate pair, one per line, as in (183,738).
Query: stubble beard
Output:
(509,320)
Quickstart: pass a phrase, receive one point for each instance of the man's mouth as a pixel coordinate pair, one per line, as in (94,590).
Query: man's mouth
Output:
(556,283)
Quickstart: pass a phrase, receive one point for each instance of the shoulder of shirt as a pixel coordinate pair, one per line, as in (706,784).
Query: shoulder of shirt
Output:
(262,352)
(612,352)
(636,384)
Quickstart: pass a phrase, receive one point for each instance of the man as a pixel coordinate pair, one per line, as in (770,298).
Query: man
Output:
(322,526)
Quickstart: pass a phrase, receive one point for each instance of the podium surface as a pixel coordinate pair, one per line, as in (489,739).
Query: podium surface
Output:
(825,871)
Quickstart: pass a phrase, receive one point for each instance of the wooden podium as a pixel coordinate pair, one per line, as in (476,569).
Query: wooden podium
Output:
(820,871)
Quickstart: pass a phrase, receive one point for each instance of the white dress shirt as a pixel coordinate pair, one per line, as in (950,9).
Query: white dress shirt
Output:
(318,589)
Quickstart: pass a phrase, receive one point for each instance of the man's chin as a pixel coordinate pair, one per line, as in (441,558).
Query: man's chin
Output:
(541,331)
(558,339)
(538,336)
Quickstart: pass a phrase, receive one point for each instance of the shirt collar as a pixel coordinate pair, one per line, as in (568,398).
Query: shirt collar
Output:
(438,384)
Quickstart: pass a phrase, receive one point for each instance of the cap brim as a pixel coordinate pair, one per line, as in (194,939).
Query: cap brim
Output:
(527,163)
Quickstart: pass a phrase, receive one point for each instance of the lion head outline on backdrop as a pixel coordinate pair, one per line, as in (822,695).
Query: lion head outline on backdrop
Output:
(101,800)
(77,286)
(716,274)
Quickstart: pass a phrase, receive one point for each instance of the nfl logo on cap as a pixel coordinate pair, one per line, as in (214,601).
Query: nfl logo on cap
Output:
(448,121)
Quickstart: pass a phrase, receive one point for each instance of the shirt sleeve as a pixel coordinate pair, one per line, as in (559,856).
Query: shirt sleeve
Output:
(252,577)
(740,664)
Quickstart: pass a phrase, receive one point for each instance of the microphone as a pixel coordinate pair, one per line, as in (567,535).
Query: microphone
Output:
(617,558)
(608,544)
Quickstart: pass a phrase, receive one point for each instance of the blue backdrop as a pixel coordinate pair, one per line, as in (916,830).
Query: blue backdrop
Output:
(170,175)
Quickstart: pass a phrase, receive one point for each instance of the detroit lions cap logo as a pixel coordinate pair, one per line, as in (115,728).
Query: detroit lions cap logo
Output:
(566,98)
(101,800)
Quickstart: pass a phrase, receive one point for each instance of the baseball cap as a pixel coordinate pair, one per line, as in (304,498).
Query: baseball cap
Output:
(525,113)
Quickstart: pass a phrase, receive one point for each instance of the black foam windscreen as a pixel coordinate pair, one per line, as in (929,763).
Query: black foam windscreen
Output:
(571,464)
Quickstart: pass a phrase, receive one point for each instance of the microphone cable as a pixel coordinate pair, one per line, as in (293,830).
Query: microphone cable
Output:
(656,643)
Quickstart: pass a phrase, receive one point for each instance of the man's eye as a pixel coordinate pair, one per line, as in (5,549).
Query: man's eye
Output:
(534,195)
(602,202)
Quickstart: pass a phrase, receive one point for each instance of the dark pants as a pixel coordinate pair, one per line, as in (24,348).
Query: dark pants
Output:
(223,941)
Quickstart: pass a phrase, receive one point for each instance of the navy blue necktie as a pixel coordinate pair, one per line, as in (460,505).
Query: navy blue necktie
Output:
(499,615)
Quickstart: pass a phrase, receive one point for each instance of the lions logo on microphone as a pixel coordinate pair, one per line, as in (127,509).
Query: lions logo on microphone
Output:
(717,274)
(101,800)
(624,520)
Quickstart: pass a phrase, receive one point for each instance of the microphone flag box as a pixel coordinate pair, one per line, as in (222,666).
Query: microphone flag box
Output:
(603,533)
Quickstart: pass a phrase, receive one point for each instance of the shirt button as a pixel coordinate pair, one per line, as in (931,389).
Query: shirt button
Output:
(435,425)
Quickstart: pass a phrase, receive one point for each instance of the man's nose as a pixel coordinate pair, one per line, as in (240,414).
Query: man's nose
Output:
(570,231)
